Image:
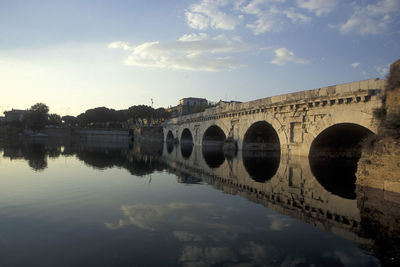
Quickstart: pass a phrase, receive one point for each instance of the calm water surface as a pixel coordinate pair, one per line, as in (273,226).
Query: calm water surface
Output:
(86,204)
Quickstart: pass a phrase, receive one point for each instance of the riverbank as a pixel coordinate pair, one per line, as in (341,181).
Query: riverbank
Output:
(117,135)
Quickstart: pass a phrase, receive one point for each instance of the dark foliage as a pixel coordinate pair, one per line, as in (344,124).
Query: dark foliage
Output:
(69,120)
(36,117)
(54,120)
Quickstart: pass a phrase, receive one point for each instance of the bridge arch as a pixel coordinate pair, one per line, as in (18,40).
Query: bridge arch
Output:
(186,137)
(261,151)
(186,143)
(339,140)
(337,174)
(186,151)
(170,137)
(212,142)
(213,136)
(359,118)
(261,135)
(170,140)
(268,118)
(333,157)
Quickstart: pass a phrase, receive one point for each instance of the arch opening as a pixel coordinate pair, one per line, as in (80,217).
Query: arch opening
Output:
(334,155)
(213,157)
(186,143)
(213,140)
(260,165)
(214,136)
(170,147)
(261,151)
(186,150)
(261,136)
(341,140)
(186,137)
(170,142)
(170,137)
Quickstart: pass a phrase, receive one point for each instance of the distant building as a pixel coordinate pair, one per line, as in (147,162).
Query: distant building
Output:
(14,115)
(192,101)
(186,106)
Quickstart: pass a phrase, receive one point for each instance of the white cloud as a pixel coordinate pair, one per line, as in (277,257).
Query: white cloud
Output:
(372,18)
(260,255)
(270,15)
(261,15)
(199,256)
(193,37)
(383,71)
(320,7)
(263,24)
(284,55)
(119,44)
(208,13)
(187,237)
(294,16)
(197,52)
(293,261)
(148,216)
(277,223)
(352,257)
(355,64)
(197,21)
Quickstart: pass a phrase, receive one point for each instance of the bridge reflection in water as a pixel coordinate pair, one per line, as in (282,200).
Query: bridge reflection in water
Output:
(282,184)
(320,192)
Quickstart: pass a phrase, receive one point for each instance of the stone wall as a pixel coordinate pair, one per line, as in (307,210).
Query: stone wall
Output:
(392,101)
(101,135)
(379,165)
(148,133)
(57,132)
(380,219)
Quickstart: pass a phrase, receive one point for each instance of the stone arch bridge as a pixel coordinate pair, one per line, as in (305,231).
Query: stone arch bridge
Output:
(296,124)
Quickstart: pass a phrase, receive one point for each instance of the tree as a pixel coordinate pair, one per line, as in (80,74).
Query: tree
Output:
(98,115)
(54,119)
(36,117)
(140,112)
(69,120)
(36,156)
(161,113)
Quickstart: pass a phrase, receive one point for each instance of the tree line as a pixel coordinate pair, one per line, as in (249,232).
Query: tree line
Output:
(38,117)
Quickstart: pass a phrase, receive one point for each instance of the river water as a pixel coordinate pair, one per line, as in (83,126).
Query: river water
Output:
(98,204)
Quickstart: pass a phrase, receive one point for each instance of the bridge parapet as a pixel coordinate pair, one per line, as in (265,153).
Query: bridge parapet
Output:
(346,93)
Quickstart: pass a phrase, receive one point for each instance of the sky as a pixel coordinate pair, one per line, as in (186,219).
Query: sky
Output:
(75,55)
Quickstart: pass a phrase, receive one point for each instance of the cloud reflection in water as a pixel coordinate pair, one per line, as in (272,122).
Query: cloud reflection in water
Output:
(211,234)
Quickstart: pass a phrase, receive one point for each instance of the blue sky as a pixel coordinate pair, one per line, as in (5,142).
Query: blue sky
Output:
(75,55)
